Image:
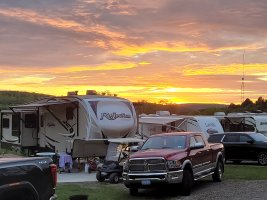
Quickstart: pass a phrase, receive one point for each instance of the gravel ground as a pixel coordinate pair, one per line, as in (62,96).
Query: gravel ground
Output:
(241,189)
(206,189)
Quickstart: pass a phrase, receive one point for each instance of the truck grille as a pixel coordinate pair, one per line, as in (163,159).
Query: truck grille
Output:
(147,165)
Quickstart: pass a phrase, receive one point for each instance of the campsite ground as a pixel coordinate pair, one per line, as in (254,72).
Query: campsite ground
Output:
(247,181)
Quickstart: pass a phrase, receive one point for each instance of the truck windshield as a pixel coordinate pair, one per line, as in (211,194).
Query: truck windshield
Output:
(165,142)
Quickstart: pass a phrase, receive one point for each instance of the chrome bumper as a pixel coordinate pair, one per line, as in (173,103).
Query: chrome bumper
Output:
(166,177)
(54,197)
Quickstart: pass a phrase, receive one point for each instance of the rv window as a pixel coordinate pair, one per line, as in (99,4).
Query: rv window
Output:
(30,121)
(42,121)
(164,128)
(5,123)
(69,113)
(172,125)
(15,125)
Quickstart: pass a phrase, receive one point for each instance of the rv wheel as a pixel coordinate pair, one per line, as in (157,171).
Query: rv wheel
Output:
(99,177)
(114,178)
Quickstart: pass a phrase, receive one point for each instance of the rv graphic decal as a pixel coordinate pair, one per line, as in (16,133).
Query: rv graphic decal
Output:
(113,116)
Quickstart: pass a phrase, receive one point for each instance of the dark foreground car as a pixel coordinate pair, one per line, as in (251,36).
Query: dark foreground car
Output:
(27,179)
(241,146)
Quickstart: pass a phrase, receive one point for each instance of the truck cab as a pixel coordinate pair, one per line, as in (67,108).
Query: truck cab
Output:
(173,158)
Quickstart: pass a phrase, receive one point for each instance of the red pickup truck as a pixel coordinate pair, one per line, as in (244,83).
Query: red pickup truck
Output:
(177,158)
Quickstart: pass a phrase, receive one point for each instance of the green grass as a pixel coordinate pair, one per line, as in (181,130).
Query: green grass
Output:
(4,151)
(245,172)
(100,191)
(95,191)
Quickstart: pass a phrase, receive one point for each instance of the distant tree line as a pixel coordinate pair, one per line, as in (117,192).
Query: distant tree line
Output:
(260,105)
(10,98)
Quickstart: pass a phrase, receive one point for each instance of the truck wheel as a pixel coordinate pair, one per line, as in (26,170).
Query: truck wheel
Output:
(187,182)
(262,158)
(114,178)
(217,176)
(99,177)
(133,191)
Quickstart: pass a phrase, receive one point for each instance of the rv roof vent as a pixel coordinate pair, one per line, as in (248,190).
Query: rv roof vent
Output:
(163,113)
(91,92)
(219,114)
(72,93)
(142,115)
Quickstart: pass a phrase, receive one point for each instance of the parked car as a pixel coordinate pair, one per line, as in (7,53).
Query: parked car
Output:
(176,159)
(240,146)
(27,179)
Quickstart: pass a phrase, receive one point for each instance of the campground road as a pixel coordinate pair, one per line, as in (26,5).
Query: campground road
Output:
(229,189)
(206,189)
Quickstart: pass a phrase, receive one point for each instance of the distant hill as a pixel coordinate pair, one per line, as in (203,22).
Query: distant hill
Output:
(10,98)
(179,109)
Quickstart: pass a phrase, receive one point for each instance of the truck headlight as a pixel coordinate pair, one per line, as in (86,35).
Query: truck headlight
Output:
(126,165)
(173,164)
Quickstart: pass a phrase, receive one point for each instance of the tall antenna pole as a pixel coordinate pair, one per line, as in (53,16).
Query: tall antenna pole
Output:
(243,80)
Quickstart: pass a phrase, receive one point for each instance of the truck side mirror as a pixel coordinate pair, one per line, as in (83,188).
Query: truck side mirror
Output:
(135,148)
(197,145)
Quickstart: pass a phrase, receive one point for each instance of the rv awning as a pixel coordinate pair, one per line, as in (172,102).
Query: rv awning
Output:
(43,103)
(157,120)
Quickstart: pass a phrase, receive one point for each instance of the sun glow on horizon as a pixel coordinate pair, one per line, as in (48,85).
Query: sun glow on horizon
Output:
(156,51)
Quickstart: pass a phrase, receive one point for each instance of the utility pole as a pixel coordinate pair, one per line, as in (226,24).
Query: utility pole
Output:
(243,80)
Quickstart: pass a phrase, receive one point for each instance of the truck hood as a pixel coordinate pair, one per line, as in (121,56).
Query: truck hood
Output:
(165,153)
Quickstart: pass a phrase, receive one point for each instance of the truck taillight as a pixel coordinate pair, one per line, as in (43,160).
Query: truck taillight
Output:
(53,169)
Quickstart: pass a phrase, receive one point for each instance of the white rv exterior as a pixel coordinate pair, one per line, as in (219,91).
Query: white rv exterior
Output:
(156,123)
(251,122)
(76,124)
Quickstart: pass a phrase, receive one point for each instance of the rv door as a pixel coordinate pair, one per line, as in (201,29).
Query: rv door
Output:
(11,125)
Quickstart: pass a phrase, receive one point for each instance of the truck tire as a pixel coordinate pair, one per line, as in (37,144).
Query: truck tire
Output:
(262,158)
(99,177)
(187,182)
(133,191)
(217,176)
(114,178)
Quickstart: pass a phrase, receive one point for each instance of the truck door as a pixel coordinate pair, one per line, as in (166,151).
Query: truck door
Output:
(197,157)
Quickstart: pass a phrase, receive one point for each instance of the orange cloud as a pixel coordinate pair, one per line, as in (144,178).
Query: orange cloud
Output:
(126,49)
(34,17)
(231,69)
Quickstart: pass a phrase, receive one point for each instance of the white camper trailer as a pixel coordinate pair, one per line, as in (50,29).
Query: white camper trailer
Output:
(248,122)
(75,124)
(157,123)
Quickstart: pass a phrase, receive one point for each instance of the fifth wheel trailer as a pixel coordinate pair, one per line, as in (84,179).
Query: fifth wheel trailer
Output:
(247,122)
(77,124)
(163,122)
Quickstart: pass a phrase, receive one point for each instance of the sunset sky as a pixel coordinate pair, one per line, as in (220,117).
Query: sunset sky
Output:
(180,51)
